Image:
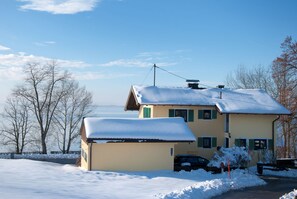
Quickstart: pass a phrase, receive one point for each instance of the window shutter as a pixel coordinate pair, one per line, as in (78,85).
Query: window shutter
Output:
(251,144)
(200,142)
(171,112)
(213,114)
(214,142)
(200,114)
(237,142)
(270,144)
(146,112)
(191,116)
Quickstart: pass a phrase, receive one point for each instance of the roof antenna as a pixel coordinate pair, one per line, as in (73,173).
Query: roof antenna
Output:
(155,74)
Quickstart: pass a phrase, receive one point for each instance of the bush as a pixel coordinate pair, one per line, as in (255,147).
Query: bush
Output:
(235,156)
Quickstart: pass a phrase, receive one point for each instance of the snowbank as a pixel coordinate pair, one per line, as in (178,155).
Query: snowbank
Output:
(291,195)
(213,187)
(36,179)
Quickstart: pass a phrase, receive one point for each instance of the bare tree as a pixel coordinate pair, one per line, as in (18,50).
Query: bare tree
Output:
(70,111)
(285,77)
(43,89)
(258,77)
(16,124)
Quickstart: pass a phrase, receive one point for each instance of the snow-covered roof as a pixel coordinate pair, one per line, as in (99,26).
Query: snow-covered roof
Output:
(151,129)
(246,101)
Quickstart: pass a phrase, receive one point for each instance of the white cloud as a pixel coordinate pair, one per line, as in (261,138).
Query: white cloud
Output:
(140,63)
(11,73)
(45,43)
(59,6)
(3,48)
(11,64)
(98,75)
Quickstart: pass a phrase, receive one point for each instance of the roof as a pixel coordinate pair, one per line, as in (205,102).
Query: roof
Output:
(152,129)
(240,101)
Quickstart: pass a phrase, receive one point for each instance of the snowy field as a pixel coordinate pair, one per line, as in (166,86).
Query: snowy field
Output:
(35,179)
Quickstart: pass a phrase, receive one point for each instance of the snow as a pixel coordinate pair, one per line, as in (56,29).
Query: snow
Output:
(291,195)
(39,156)
(250,101)
(35,179)
(162,129)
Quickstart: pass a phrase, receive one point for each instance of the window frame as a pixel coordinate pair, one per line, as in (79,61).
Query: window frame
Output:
(262,144)
(211,140)
(209,144)
(212,114)
(182,115)
(189,117)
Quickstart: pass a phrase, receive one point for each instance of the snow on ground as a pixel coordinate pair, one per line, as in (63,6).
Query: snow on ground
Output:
(39,156)
(35,179)
(291,195)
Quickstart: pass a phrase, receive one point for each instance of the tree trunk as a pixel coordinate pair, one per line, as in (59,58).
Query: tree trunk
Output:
(43,144)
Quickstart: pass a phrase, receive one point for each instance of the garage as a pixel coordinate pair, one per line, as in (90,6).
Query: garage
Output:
(126,144)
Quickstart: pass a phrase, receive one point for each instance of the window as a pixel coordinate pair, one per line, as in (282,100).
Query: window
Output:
(207,142)
(188,115)
(146,112)
(207,114)
(260,144)
(240,142)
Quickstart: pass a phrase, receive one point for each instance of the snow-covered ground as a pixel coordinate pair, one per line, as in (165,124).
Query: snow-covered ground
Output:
(35,179)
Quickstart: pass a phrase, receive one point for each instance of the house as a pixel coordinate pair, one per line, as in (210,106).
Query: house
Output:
(131,144)
(217,116)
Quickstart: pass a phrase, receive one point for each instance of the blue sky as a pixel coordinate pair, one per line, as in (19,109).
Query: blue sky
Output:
(110,45)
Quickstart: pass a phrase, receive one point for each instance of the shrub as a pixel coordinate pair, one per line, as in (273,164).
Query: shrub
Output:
(236,156)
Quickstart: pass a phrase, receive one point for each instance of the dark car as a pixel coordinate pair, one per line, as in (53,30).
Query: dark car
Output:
(189,162)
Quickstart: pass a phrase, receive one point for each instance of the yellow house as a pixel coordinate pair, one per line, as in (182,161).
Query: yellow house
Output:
(131,144)
(218,117)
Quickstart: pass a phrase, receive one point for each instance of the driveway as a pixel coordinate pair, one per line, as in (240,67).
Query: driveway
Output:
(275,188)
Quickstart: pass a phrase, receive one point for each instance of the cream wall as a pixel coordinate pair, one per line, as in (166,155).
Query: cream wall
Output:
(240,126)
(251,126)
(85,148)
(199,127)
(132,156)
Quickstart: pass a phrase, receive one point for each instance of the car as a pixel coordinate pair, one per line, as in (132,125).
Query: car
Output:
(189,162)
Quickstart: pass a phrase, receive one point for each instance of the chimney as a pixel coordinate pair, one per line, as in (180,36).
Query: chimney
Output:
(221,92)
(192,83)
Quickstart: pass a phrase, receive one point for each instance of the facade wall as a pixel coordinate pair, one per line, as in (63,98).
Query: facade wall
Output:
(132,156)
(84,155)
(200,128)
(251,127)
(240,126)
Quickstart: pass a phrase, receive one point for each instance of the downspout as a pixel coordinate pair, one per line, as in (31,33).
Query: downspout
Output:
(91,155)
(273,132)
